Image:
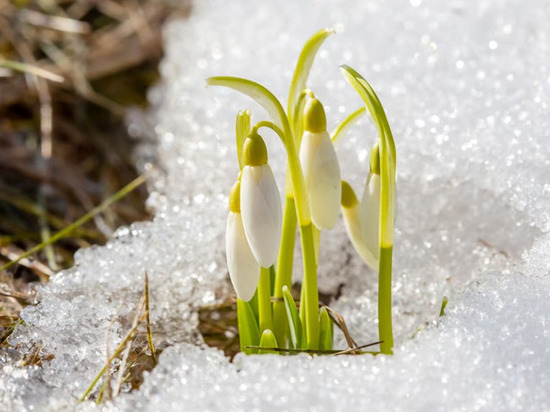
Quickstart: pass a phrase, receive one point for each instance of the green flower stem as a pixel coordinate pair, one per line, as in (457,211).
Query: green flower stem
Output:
(308,244)
(316,243)
(284,271)
(310,283)
(385,329)
(303,307)
(264,300)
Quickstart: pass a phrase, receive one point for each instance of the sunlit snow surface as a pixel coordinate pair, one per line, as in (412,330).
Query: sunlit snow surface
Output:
(466,86)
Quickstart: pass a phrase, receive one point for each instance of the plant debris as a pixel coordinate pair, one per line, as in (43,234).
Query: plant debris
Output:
(69,69)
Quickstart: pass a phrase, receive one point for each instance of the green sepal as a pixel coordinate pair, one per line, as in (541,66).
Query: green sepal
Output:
(268,340)
(242,129)
(297,332)
(249,333)
(326,330)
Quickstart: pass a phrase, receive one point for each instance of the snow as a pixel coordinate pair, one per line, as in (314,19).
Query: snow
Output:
(466,87)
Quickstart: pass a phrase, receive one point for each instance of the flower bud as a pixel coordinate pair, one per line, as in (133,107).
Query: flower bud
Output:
(370,214)
(244,270)
(320,166)
(260,203)
(351,214)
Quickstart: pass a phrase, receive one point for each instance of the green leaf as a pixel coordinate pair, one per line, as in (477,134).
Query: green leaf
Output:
(372,101)
(268,340)
(242,129)
(260,94)
(253,303)
(387,153)
(444,302)
(297,335)
(298,119)
(303,67)
(326,330)
(346,124)
(249,334)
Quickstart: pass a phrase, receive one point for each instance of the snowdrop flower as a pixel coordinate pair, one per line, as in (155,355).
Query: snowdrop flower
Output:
(320,167)
(244,270)
(370,204)
(351,213)
(260,202)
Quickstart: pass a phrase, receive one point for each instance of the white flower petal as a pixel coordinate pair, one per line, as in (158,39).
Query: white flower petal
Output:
(322,178)
(261,212)
(353,226)
(244,270)
(370,214)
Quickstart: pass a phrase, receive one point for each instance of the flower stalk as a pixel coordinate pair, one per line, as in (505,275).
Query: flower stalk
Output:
(264,301)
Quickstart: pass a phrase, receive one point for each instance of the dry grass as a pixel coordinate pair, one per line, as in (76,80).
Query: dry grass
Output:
(68,71)
(135,354)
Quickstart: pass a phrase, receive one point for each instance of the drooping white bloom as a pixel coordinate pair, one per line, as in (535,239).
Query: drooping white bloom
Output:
(320,167)
(244,270)
(370,214)
(352,219)
(260,202)
(322,178)
(261,212)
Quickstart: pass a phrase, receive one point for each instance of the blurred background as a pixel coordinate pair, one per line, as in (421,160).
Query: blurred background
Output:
(69,71)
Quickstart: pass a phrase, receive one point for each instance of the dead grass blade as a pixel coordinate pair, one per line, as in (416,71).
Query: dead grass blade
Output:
(341,323)
(148,321)
(31,69)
